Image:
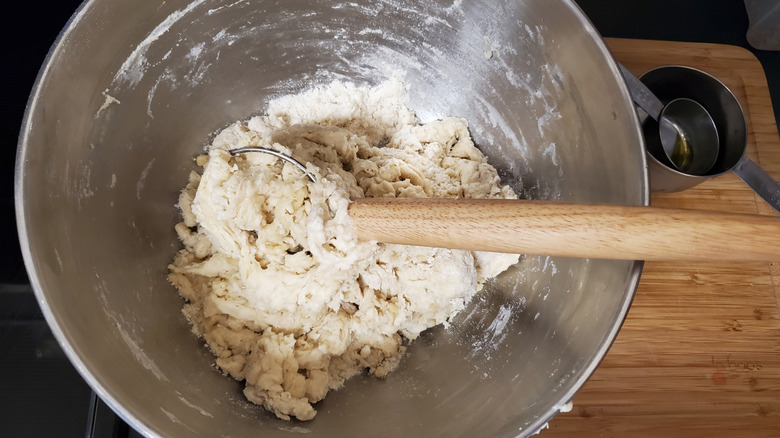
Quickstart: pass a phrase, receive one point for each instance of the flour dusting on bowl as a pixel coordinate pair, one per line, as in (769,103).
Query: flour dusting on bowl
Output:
(277,283)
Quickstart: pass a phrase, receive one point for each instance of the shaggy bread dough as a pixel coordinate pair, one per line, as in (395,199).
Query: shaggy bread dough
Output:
(276,282)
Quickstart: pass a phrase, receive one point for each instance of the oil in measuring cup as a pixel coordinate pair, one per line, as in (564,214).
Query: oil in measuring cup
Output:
(682,153)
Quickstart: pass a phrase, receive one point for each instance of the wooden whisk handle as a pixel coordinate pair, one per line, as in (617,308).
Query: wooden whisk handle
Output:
(569,230)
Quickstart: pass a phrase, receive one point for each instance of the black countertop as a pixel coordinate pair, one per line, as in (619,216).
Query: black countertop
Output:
(40,393)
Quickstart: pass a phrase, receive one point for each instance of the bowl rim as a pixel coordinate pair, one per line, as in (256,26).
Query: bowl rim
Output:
(84,370)
(51,319)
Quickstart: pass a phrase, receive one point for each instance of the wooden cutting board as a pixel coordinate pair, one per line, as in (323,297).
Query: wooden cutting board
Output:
(699,354)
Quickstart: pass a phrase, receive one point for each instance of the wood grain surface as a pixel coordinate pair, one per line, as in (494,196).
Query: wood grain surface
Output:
(568,230)
(699,354)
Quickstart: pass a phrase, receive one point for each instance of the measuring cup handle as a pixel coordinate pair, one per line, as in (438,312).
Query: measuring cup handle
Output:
(760,181)
(641,95)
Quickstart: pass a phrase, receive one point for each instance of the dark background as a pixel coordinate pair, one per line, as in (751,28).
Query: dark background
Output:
(40,392)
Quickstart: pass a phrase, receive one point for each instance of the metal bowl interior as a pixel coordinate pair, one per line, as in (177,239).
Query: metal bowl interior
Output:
(133,90)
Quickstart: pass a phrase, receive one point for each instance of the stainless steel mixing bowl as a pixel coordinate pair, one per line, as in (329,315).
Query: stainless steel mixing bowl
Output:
(133,90)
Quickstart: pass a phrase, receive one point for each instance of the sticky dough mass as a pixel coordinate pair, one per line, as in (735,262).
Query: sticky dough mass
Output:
(275,281)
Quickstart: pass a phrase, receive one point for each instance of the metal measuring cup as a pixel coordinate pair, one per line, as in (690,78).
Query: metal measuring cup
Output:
(671,82)
(686,129)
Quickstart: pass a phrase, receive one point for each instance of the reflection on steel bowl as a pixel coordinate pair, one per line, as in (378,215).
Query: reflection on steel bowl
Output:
(133,90)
